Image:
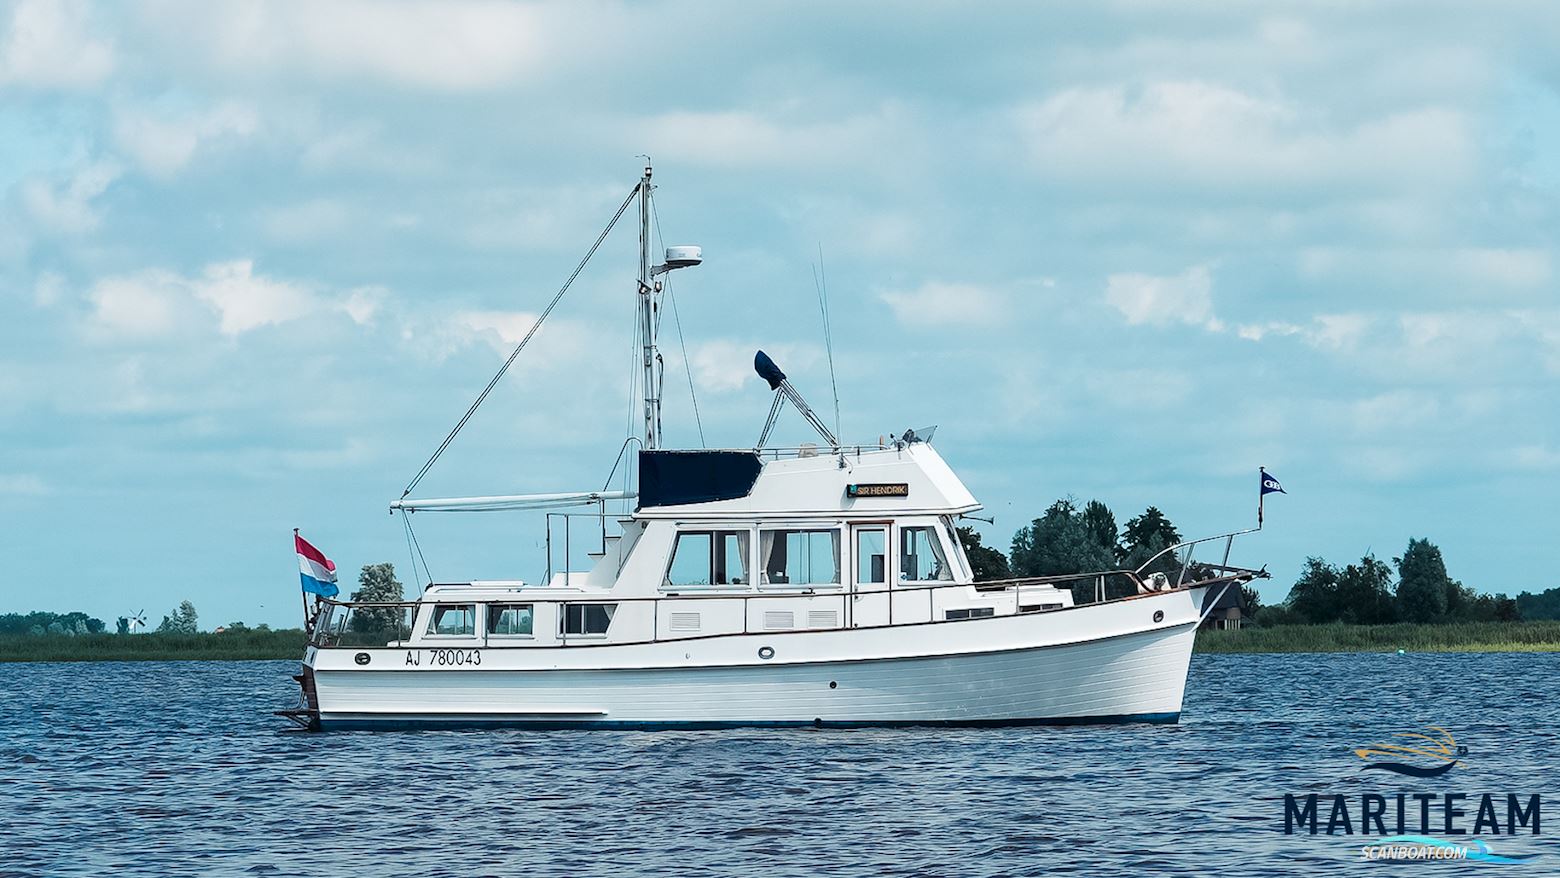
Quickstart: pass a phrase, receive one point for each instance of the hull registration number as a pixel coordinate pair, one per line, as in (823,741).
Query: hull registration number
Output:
(416,658)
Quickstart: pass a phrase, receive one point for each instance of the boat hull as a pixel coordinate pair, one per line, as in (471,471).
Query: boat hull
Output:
(1120,662)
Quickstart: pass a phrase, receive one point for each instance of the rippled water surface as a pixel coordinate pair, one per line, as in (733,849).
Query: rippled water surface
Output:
(179,769)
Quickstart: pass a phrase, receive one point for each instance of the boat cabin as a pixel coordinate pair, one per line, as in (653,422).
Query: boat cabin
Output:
(733,542)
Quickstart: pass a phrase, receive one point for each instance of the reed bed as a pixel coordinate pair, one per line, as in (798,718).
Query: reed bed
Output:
(1538,636)
(227,646)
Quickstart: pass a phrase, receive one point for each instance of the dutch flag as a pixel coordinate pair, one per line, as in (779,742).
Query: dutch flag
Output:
(317,572)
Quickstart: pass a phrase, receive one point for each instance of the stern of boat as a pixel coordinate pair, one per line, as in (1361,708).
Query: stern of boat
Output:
(306,711)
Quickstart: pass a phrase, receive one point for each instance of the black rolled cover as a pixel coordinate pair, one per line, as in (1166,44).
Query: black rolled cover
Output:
(671,478)
(767,370)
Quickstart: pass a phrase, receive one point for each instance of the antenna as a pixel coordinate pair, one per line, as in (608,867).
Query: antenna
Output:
(821,283)
(685,256)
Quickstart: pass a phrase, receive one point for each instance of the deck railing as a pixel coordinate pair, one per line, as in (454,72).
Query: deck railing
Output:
(362,623)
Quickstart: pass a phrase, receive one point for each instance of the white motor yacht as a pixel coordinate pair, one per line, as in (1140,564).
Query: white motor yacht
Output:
(816,585)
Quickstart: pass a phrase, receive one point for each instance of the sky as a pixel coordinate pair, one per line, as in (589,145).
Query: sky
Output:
(256,259)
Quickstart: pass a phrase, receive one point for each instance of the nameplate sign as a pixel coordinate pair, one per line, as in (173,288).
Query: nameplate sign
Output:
(878,489)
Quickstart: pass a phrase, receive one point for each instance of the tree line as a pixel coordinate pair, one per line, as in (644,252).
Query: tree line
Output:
(1072,539)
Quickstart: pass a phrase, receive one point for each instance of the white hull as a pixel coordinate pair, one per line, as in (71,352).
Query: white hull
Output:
(1096,663)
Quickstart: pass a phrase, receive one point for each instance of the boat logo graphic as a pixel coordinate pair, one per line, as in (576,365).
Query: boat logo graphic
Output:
(1415,754)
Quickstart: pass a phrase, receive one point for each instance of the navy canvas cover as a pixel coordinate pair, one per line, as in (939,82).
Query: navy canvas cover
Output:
(671,478)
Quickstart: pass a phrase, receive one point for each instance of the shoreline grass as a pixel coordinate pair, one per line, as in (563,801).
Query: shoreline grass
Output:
(1537,636)
(286,643)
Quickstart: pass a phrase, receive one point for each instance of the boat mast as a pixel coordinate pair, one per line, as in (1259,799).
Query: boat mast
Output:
(647,319)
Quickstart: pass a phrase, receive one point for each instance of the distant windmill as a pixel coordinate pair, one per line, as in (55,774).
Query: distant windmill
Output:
(137,621)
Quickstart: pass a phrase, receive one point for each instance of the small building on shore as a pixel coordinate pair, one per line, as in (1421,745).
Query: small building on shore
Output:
(1230,611)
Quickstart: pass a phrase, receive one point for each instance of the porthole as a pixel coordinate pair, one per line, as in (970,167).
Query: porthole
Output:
(766,652)
(833,685)
(361,658)
(1159,615)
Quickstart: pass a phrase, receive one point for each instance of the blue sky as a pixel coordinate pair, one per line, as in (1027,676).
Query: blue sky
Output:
(256,259)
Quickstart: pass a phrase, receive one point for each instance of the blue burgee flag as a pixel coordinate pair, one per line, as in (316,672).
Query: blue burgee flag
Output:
(1270,485)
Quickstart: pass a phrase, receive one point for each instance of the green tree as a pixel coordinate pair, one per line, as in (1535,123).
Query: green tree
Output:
(122,625)
(1423,585)
(1100,523)
(1252,599)
(377,584)
(986,563)
(1364,594)
(181,621)
(1060,542)
(1544,605)
(1314,596)
(44,622)
(1144,537)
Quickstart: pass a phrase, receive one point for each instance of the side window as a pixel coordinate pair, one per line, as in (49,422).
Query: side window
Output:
(921,556)
(800,557)
(509,619)
(453,619)
(586,618)
(871,556)
(709,558)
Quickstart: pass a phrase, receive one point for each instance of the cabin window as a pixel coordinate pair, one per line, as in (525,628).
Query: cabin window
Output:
(709,558)
(800,557)
(871,556)
(584,619)
(509,619)
(453,620)
(921,557)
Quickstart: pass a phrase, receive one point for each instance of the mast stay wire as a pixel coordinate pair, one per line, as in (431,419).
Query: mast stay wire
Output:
(521,346)
(821,284)
(671,296)
(414,549)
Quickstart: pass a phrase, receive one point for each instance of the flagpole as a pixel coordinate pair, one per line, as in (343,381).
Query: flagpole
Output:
(301,593)
(1261,493)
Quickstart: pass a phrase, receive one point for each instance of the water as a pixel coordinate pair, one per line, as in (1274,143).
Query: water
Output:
(179,769)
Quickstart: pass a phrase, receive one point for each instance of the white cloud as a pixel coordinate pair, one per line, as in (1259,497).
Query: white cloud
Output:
(68,207)
(726,365)
(246,301)
(22,485)
(1197,133)
(163,142)
(1337,330)
(745,138)
(1331,331)
(158,303)
(437,45)
(1161,300)
(48,289)
(1474,272)
(363,303)
(306,222)
(1533,457)
(144,305)
(47,44)
(1394,411)
(502,330)
(935,304)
